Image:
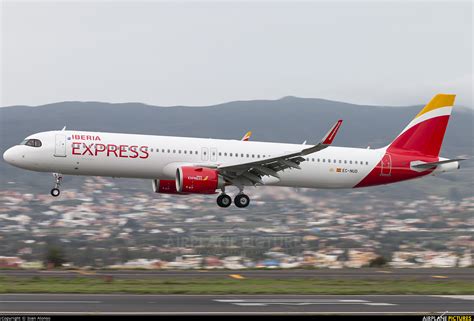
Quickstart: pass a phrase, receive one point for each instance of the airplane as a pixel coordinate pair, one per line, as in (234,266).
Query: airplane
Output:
(183,165)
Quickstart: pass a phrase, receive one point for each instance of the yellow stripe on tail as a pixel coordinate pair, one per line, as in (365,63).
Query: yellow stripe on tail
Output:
(438,101)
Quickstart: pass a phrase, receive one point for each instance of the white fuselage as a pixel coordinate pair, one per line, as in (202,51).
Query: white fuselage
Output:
(158,157)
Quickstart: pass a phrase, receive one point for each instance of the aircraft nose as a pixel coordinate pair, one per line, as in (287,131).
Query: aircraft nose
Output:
(9,156)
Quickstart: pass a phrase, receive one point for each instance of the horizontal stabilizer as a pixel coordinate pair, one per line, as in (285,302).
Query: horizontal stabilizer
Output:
(434,164)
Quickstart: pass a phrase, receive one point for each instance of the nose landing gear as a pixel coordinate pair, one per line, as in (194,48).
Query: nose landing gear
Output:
(57,182)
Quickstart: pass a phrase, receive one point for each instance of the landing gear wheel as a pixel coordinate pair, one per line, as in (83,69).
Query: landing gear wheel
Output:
(57,182)
(55,192)
(224,200)
(241,200)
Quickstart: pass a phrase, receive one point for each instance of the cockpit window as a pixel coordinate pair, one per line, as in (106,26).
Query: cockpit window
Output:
(31,142)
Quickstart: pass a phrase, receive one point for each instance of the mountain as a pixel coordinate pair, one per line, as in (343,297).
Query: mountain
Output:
(289,119)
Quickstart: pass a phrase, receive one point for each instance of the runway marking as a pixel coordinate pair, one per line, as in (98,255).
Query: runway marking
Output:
(460,297)
(237,276)
(299,302)
(439,276)
(290,300)
(43,301)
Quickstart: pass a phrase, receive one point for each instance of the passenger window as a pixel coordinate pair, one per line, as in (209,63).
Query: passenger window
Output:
(350,162)
(241,155)
(340,161)
(366,163)
(318,160)
(345,161)
(313,159)
(324,160)
(356,162)
(230,154)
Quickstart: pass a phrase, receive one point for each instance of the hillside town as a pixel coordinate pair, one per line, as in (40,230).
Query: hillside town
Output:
(106,224)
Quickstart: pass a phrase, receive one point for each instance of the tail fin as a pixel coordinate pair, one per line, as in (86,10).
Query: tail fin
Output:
(424,134)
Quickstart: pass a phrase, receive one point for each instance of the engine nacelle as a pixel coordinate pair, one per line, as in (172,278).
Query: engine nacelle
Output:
(165,186)
(198,180)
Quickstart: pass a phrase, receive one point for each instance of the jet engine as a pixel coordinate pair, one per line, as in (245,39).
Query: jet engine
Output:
(198,180)
(165,186)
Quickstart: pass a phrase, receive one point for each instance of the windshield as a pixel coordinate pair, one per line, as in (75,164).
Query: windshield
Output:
(31,142)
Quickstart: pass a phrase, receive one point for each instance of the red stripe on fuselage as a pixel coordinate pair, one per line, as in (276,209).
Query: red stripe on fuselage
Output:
(399,170)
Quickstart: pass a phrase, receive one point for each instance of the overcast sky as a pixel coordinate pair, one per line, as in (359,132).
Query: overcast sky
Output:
(203,53)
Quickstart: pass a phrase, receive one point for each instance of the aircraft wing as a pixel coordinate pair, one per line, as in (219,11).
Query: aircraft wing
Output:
(243,173)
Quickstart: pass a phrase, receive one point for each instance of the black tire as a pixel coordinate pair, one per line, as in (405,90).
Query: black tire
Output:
(241,200)
(55,192)
(224,200)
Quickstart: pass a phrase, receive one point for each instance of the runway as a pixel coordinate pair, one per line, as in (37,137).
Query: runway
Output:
(233,304)
(364,273)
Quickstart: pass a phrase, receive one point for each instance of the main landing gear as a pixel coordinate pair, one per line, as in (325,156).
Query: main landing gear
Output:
(57,182)
(240,200)
(224,200)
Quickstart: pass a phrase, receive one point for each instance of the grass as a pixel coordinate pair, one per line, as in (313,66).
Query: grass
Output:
(188,285)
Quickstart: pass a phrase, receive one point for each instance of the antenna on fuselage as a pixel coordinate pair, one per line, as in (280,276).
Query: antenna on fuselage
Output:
(64,128)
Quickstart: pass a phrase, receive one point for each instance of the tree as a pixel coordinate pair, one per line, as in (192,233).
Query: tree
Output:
(378,261)
(54,256)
